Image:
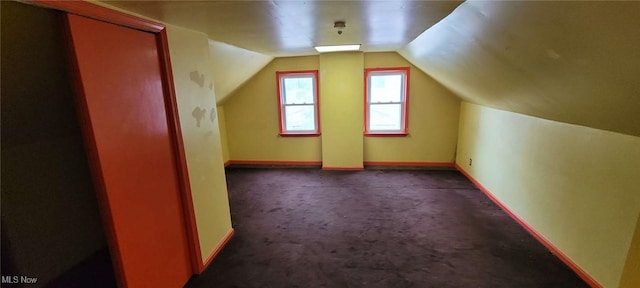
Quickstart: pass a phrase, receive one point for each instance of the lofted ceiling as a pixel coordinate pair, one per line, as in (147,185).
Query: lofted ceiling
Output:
(290,28)
(245,64)
(570,61)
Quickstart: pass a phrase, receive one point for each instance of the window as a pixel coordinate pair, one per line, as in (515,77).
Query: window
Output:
(298,103)
(387,95)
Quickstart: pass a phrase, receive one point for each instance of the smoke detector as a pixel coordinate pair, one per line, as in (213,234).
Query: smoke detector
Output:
(340,25)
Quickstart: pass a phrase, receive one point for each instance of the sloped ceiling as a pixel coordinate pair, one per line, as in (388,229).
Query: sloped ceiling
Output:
(575,62)
(289,28)
(283,28)
(570,61)
(232,66)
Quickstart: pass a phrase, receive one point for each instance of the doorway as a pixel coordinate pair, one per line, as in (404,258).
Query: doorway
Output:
(123,104)
(106,128)
(51,225)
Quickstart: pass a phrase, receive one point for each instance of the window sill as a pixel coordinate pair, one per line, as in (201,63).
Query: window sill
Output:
(386,134)
(305,134)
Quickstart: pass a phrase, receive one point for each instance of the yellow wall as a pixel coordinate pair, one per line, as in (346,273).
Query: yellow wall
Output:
(575,185)
(222,123)
(233,66)
(252,118)
(433,119)
(192,74)
(631,275)
(341,111)
(433,116)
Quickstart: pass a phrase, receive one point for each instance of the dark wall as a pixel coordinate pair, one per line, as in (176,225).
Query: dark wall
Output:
(50,216)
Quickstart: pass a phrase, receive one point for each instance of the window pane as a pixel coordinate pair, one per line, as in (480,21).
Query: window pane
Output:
(385,117)
(299,118)
(386,88)
(298,90)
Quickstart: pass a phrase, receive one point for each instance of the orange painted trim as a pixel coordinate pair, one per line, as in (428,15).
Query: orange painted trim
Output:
(391,134)
(227,163)
(275,163)
(288,134)
(97,12)
(408,164)
(342,168)
(316,77)
(219,248)
(104,14)
(179,152)
(563,257)
(404,131)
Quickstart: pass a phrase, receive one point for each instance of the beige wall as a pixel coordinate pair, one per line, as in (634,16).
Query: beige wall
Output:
(252,118)
(433,119)
(575,185)
(192,74)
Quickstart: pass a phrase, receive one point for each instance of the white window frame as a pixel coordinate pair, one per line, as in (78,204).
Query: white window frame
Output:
(404,101)
(280,77)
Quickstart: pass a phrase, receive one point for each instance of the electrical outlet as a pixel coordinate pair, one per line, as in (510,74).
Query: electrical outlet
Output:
(470,161)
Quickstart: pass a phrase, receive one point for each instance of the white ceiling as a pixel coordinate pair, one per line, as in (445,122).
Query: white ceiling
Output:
(290,28)
(571,61)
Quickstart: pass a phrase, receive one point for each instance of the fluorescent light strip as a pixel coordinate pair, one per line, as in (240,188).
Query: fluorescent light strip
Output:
(336,48)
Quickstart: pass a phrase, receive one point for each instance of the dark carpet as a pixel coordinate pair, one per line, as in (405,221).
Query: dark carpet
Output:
(374,228)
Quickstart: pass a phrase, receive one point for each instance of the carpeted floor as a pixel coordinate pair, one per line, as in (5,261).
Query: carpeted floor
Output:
(374,228)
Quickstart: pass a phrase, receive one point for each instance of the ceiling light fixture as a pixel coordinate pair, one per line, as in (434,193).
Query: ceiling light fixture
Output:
(338,48)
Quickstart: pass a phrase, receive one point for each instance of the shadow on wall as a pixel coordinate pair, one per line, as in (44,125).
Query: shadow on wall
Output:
(50,216)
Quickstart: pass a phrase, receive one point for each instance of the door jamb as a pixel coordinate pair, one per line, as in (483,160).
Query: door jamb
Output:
(105,14)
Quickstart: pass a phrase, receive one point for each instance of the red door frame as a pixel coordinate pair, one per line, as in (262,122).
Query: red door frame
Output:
(119,18)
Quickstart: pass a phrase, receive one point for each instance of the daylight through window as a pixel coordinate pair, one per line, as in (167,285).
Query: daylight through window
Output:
(298,98)
(386,101)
